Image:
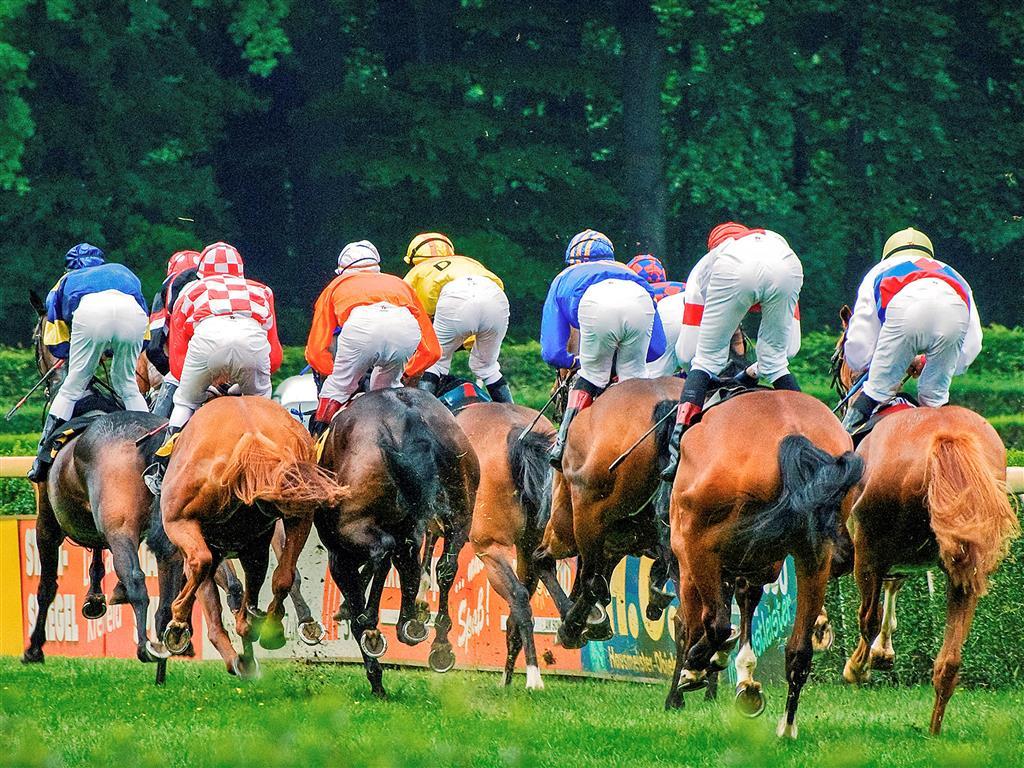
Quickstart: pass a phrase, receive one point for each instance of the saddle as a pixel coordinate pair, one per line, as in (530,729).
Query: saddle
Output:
(456,394)
(901,402)
(87,410)
(722,391)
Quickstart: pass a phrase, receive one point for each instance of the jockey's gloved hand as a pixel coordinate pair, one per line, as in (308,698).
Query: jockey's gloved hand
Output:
(325,412)
(744,378)
(916,366)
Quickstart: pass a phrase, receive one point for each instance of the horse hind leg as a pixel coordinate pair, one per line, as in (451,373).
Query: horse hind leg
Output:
(346,576)
(311,631)
(411,629)
(869,584)
(227,579)
(296,531)
(750,700)
(125,550)
(959,615)
(250,621)
(48,540)
(519,632)
(883,655)
(441,658)
(95,603)
(811,585)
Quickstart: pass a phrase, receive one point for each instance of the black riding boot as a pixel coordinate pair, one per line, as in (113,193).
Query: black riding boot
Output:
(858,412)
(690,404)
(153,476)
(787,382)
(164,403)
(581,397)
(41,466)
(499,391)
(429,382)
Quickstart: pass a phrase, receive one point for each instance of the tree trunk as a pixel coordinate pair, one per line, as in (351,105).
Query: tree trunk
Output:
(641,114)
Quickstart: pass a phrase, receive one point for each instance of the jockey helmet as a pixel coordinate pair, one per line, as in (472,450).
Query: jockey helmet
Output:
(649,267)
(182,260)
(360,256)
(589,245)
(723,232)
(429,245)
(220,259)
(908,239)
(83,255)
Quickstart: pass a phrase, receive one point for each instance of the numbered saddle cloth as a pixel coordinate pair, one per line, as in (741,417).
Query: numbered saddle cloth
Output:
(457,393)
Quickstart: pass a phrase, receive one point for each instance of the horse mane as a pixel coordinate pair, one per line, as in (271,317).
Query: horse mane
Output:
(970,510)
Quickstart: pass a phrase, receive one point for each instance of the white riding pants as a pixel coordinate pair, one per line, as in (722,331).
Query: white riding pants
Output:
(616,321)
(471,306)
(105,320)
(927,317)
(738,281)
(223,349)
(670,310)
(381,337)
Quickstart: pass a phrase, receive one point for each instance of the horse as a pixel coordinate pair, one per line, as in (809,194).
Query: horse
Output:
(934,494)
(407,463)
(512,507)
(735,515)
(239,465)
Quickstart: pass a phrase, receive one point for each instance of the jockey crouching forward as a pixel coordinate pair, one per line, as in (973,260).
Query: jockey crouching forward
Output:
(910,304)
(181,271)
(465,300)
(613,308)
(670,300)
(743,267)
(93,308)
(384,329)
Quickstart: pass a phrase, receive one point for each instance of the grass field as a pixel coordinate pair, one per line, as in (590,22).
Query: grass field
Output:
(106,713)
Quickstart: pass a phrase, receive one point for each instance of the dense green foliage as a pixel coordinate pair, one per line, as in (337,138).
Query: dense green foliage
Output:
(291,128)
(106,712)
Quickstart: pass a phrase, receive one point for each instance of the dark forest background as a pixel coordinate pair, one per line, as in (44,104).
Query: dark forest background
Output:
(290,128)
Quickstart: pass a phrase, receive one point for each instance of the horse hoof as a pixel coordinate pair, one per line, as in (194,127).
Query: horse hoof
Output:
(786,730)
(598,632)
(312,632)
(422,611)
(884,662)
(119,596)
(823,638)
(597,615)
(750,701)
(155,651)
(177,637)
(373,643)
(654,613)
(94,607)
(854,674)
(272,635)
(33,656)
(692,680)
(570,642)
(441,658)
(412,632)
(246,668)
(257,620)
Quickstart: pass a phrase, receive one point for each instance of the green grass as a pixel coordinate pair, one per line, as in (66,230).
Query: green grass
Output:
(106,712)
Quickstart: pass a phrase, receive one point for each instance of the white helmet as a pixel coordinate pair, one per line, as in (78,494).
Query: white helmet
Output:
(360,256)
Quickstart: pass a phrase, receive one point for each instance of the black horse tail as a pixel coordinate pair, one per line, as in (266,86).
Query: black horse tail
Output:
(806,516)
(416,461)
(661,436)
(531,473)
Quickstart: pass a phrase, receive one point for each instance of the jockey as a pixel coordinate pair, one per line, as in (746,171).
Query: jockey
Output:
(670,301)
(465,300)
(743,268)
(613,308)
(910,304)
(383,329)
(93,308)
(223,331)
(181,271)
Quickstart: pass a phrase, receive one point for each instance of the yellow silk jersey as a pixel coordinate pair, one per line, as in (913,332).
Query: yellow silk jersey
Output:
(429,276)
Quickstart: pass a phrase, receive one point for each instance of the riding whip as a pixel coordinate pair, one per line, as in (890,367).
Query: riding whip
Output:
(149,434)
(853,391)
(53,369)
(540,413)
(622,457)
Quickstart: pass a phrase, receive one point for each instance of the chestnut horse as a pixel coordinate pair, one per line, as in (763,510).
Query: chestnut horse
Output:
(239,465)
(934,494)
(513,503)
(407,463)
(736,513)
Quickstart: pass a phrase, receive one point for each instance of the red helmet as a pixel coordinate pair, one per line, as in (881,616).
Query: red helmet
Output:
(182,260)
(723,232)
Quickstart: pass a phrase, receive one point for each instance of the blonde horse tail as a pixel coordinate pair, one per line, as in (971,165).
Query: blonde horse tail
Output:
(261,469)
(971,514)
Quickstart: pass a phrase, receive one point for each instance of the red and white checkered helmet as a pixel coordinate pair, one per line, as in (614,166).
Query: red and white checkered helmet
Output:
(220,259)
(182,260)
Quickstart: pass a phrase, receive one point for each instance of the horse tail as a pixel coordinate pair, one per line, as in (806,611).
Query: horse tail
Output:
(970,509)
(806,514)
(531,473)
(415,464)
(260,469)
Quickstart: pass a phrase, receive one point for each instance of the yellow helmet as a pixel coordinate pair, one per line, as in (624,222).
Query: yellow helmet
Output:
(908,239)
(429,245)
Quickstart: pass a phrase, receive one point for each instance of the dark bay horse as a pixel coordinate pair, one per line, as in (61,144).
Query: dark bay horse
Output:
(762,476)
(407,464)
(95,496)
(239,465)
(933,494)
(513,503)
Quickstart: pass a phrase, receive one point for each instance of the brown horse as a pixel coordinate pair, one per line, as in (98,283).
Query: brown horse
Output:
(512,507)
(239,465)
(934,494)
(735,514)
(407,464)
(602,515)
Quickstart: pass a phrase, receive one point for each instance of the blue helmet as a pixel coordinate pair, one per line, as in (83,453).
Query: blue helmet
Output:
(83,255)
(589,245)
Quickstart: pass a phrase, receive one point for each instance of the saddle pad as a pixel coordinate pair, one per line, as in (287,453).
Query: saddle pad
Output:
(901,402)
(726,392)
(459,393)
